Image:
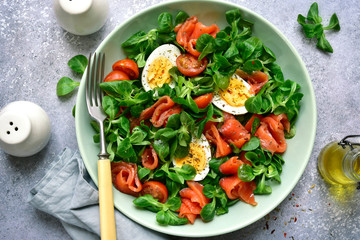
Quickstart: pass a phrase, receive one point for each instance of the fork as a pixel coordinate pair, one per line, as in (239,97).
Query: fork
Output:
(94,95)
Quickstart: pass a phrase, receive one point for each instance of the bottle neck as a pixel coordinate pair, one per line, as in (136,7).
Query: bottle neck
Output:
(351,164)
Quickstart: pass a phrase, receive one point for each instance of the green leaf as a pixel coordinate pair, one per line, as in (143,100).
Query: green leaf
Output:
(232,15)
(143,172)
(261,187)
(312,30)
(125,149)
(252,144)
(149,202)
(252,65)
(173,203)
(165,22)
(74,110)
(313,13)
(173,121)
(173,188)
(110,106)
(323,44)
(255,125)
(169,218)
(251,47)
(162,149)
(334,23)
(209,191)
(188,172)
(205,44)
(65,86)
(245,173)
(78,63)
(253,104)
(181,17)
(208,211)
(221,80)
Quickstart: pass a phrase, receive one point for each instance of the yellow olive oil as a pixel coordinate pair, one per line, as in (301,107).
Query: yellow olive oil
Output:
(338,165)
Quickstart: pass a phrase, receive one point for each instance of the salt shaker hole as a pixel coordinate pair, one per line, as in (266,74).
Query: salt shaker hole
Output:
(8,132)
(11,123)
(16,128)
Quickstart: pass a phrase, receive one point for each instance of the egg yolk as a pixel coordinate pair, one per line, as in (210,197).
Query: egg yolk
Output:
(158,72)
(195,158)
(236,94)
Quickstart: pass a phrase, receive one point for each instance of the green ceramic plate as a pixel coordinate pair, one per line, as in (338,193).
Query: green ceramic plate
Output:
(299,148)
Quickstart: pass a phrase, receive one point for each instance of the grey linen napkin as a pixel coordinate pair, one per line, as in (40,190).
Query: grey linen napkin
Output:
(68,193)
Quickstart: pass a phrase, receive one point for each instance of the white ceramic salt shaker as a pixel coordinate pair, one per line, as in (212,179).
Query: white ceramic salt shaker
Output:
(24,128)
(81,17)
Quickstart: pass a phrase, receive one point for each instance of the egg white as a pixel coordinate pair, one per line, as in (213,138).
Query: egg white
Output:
(169,51)
(223,105)
(203,142)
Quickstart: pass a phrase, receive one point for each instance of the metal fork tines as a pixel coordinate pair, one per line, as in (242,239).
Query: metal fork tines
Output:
(94,95)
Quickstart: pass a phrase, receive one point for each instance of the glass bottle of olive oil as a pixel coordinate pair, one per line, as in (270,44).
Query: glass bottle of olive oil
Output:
(339,163)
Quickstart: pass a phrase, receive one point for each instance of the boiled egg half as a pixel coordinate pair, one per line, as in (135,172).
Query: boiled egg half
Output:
(199,157)
(156,69)
(232,100)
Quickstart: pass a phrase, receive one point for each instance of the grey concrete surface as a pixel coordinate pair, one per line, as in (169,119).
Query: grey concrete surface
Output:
(34,51)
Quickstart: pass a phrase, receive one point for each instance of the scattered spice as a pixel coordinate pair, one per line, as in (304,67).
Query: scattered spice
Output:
(329,204)
(285,235)
(312,186)
(293,194)
(295,219)
(272,231)
(309,191)
(274,217)
(297,205)
(267,225)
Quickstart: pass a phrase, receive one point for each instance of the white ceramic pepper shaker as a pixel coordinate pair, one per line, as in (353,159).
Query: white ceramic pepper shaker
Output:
(81,17)
(24,128)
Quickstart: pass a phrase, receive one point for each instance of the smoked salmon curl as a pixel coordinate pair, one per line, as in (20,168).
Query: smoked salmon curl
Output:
(125,178)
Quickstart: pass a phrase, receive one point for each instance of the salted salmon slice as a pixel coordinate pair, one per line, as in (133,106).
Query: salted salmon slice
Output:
(189,210)
(149,158)
(162,121)
(156,110)
(235,188)
(256,79)
(231,166)
(229,185)
(227,116)
(271,132)
(192,201)
(246,192)
(250,122)
(222,147)
(185,30)
(201,29)
(194,193)
(283,119)
(125,178)
(267,140)
(234,132)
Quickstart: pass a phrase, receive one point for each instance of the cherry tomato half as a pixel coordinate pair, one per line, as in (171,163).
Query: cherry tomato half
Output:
(189,65)
(156,189)
(127,66)
(204,100)
(116,76)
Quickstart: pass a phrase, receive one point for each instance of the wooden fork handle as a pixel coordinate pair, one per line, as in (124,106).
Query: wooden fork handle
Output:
(106,201)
